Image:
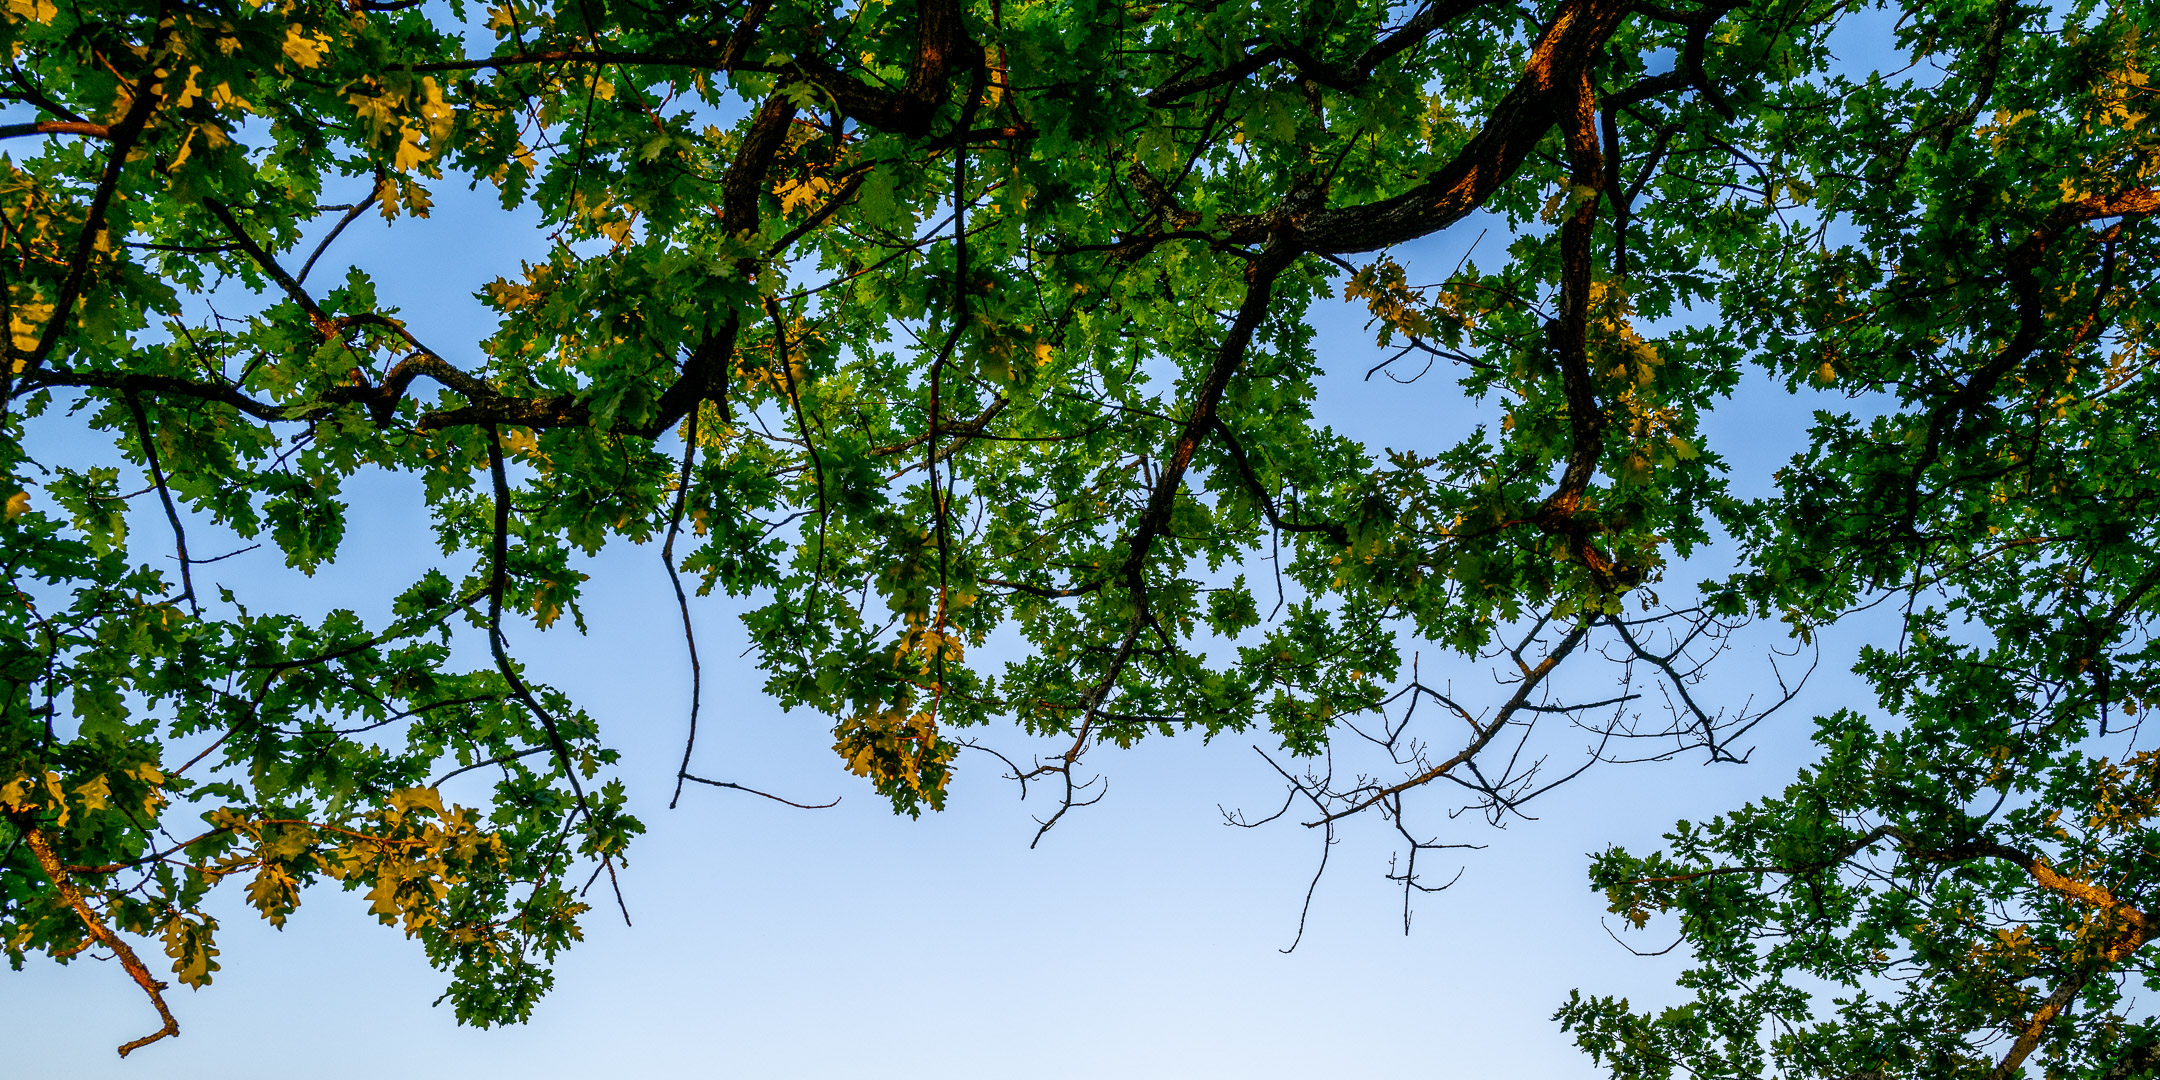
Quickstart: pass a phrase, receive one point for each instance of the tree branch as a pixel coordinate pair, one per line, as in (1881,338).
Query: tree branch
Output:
(41,847)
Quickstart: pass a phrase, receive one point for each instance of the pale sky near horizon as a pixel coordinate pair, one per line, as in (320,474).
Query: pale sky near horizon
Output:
(1140,940)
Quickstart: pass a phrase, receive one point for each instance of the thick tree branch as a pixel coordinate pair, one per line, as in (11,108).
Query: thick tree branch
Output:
(1548,93)
(1561,513)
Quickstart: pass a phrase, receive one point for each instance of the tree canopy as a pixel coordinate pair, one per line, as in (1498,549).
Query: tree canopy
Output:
(969,340)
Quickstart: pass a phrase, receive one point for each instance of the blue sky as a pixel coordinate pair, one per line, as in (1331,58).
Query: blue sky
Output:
(1139,940)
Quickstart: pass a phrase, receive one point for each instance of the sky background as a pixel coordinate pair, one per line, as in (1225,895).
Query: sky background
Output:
(1141,939)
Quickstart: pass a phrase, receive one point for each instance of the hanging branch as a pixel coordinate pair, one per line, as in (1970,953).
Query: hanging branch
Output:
(498,577)
(41,847)
(157,479)
(682,603)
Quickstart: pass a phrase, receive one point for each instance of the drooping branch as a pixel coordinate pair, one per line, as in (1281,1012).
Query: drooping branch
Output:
(1555,89)
(682,602)
(41,847)
(148,440)
(1200,420)
(498,580)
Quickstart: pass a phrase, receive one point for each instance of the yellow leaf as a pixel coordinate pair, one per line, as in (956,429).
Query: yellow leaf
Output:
(796,193)
(417,199)
(520,441)
(40,11)
(93,792)
(409,151)
(417,796)
(274,893)
(58,798)
(188,93)
(17,503)
(507,295)
(304,47)
(26,323)
(222,95)
(189,945)
(383,899)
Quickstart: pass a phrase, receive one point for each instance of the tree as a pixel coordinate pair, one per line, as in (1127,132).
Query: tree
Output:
(926,322)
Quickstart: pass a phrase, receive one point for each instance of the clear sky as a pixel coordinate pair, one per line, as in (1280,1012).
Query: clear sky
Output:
(1139,940)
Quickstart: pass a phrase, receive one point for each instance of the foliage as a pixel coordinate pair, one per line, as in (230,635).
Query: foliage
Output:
(1961,885)
(929,321)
